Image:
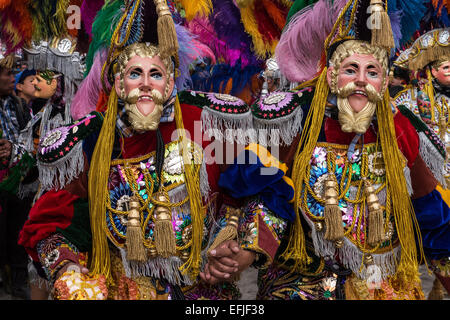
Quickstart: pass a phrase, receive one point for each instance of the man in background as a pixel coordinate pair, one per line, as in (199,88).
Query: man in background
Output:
(13,258)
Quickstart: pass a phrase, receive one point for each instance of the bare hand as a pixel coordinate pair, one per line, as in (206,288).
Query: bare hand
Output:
(225,262)
(5,149)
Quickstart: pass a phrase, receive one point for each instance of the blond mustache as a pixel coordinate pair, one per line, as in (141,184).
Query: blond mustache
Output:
(133,96)
(350,88)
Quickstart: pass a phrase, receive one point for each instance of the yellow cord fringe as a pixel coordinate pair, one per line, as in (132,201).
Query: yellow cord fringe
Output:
(98,179)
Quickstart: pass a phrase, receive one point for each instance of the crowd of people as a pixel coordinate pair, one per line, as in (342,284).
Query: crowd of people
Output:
(127,173)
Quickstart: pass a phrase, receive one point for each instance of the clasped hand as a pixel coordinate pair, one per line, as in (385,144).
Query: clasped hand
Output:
(225,262)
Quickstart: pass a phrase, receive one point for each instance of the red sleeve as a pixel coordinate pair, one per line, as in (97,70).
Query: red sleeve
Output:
(53,210)
(407,138)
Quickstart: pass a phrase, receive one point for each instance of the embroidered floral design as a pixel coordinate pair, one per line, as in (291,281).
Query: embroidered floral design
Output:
(225,99)
(53,139)
(275,101)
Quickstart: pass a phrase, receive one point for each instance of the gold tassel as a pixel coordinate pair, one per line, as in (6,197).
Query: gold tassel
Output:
(98,180)
(230,230)
(167,35)
(382,31)
(134,239)
(332,214)
(192,182)
(164,237)
(376,219)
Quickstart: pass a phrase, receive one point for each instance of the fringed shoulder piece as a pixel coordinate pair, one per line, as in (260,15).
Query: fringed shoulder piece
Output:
(278,116)
(431,149)
(223,116)
(408,98)
(60,155)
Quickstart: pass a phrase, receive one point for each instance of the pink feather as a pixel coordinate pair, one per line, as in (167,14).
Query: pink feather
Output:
(85,100)
(300,48)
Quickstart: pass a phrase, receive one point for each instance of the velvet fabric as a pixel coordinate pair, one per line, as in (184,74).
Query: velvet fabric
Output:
(407,138)
(55,209)
(244,179)
(433,216)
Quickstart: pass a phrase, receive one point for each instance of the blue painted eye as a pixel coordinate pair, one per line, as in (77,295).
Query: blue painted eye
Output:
(134,75)
(157,76)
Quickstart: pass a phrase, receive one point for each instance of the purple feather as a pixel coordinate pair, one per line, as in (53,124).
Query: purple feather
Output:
(89,10)
(85,100)
(396,18)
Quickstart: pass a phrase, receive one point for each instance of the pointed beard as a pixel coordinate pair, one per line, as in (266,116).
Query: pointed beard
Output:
(139,121)
(350,120)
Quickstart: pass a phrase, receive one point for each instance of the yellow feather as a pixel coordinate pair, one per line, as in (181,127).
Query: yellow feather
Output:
(251,27)
(201,8)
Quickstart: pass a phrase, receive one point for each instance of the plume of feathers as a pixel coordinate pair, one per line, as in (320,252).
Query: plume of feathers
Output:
(4,4)
(88,93)
(103,28)
(412,12)
(298,52)
(17,26)
(88,12)
(197,8)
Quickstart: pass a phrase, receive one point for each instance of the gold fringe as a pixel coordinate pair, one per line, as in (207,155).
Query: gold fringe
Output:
(429,90)
(296,247)
(376,219)
(381,36)
(427,56)
(401,207)
(230,230)
(167,35)
(134,238)
(98,178)
(164,237)
(332,214)
(192,182)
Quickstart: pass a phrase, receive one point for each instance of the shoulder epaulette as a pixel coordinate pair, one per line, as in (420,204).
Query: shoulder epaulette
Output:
(432,148)
(280,111)
(223,116)
(60,155)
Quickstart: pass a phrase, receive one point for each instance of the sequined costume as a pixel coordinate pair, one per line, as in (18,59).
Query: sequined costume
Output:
(344,185)
(132,171)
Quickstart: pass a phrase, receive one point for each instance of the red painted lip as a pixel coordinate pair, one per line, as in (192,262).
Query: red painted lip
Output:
(360,93)
(149,98)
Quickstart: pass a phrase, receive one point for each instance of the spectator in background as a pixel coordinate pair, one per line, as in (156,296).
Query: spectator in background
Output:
(25,89)
(13,258)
